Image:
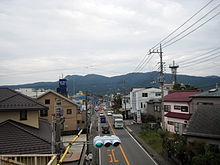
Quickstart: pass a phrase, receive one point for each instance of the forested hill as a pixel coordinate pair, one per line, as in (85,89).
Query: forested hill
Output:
(100,85)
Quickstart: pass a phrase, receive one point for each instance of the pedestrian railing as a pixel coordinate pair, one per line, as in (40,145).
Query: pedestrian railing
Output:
(29,159)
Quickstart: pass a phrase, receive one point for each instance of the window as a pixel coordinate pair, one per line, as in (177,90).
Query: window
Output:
(83,121)
(69,111)
(157,108)
(177,107)
(141,105)
(43,113)
(167,108)
(170,122)
(47,101)
(144,94)
(184,108)
(78,121)
(23,115)
(158,94)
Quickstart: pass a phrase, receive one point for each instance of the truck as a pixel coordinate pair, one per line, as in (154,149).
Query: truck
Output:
(118,121)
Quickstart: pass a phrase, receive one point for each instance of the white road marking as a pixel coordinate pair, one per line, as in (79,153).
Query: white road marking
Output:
(141,147)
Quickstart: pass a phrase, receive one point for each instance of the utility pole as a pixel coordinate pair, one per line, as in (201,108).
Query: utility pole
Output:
(161,81)
(87,132)
(59,123)
(126,114)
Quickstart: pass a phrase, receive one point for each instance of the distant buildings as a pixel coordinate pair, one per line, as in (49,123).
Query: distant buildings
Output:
(31,92)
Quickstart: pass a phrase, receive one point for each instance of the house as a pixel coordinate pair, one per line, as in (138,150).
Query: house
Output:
(21,129)
(74,118)
(140,97)
(204,125)
(126,105)
(211,97)
(178,109)
(154,108)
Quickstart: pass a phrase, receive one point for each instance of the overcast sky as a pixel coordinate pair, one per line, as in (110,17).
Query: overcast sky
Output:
(41,40)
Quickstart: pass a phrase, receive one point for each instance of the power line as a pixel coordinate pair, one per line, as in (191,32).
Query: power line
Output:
(194,58)
(183,24)
(213,56)
(192,30)
(191,25)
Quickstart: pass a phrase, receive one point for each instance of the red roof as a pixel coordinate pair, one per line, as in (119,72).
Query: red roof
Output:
(182,96)
(178,115)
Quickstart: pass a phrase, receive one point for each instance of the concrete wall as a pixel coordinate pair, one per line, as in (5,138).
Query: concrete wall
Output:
(32,117)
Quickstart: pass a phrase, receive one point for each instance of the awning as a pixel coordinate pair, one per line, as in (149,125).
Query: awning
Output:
(178,115)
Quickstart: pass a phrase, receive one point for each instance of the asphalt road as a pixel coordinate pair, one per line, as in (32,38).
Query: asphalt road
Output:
(128,153)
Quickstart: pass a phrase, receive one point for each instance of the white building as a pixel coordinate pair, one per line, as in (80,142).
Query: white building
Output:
(31,92)
(139,98)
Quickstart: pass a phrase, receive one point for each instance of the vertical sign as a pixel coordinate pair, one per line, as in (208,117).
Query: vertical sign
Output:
(138,109)
(139,116)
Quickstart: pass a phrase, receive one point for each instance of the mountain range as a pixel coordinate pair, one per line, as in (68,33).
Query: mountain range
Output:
(101,85)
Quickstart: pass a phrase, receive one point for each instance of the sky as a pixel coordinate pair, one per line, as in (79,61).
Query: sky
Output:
(41,40)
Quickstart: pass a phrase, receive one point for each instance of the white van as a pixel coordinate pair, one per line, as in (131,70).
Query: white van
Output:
(118,123)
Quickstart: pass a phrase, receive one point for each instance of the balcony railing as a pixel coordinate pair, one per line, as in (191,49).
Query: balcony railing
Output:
(29,159)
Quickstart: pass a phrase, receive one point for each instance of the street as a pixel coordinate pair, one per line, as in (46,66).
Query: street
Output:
(128,153)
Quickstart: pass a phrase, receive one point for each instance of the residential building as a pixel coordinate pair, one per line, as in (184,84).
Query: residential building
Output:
(126,106)
(204,125)
(21,129)
(140,97)
(178,109)
(211,97)
(31,92)
(74,117)
(154,108)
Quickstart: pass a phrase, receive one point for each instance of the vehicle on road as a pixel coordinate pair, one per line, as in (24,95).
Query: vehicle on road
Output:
(117,116)
(102,119)
(105,129)
(101,114)
(109,113)
(118,123)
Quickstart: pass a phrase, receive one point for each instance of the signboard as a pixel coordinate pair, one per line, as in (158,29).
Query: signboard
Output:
(139,116)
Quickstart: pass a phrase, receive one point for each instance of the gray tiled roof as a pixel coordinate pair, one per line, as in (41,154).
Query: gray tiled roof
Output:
(205,122)
(12,100)
(214,93)
(17,138)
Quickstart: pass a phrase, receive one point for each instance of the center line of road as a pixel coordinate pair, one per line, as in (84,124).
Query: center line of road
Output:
(123,153)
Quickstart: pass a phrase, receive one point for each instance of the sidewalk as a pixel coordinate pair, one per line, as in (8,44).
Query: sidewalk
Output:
(134,130)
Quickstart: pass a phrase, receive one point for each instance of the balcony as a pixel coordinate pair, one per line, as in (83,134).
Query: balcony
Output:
(30,159)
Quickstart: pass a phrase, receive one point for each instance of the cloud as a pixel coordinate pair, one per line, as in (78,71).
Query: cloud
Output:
(42,39)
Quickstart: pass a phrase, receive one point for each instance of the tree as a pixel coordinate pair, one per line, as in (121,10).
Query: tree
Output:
(117,101)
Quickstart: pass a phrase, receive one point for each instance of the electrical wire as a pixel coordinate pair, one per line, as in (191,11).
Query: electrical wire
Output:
(183,24)
(192,30)
(166,43)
